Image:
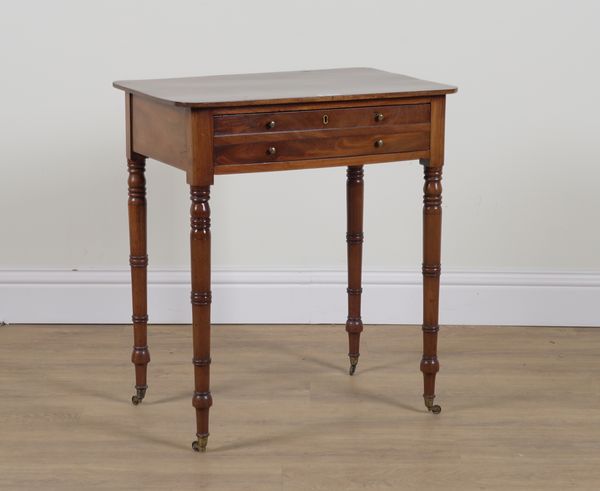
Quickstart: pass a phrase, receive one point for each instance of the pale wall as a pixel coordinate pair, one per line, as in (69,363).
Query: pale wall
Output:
(522,165)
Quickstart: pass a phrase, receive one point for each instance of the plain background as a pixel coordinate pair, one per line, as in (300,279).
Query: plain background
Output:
(522,152)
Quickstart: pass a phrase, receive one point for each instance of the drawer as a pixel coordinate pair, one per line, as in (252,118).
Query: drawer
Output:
(320,144)
(321,119)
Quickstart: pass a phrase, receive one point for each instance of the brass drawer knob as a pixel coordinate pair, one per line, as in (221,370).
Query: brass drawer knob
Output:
(378,117)
(271,125)
(271,150)
(379,143)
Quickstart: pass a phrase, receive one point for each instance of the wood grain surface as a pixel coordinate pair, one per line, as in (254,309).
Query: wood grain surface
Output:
(520,410)
(338,84)
(319,144)
(323,118)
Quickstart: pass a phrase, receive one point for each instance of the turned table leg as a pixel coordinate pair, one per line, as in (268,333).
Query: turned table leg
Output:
(138,261)
(432,230)
(354,239)
(201,299)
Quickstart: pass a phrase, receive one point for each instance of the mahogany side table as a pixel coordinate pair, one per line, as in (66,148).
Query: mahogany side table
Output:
(231,124)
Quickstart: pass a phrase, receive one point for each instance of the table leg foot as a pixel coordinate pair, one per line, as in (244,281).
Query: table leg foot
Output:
(353,363)
(199,445)
(431,407)
(140,393)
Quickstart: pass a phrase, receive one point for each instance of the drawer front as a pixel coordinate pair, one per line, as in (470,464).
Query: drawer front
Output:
(320,144)
(321,119)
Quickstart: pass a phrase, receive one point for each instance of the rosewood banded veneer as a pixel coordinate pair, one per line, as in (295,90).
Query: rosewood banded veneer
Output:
(208,126)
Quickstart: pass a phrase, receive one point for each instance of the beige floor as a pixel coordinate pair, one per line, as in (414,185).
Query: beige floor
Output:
(521,410)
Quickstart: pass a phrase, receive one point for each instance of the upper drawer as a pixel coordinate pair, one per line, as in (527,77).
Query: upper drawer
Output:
(321,119)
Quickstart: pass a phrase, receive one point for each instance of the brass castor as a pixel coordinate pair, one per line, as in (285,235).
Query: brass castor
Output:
(431,407)
(199,445)
(353,363)
(139,396)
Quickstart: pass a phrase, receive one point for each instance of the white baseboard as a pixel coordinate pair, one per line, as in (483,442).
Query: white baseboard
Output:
(300,296)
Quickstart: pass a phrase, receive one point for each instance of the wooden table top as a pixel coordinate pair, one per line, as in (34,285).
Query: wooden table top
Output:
(340,84)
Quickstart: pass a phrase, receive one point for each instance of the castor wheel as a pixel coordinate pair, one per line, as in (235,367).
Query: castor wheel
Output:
(139,396)
(199,445)
(353,363)
(436,409)
(431,407)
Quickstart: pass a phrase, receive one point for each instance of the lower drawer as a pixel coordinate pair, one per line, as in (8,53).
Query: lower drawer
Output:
(287,146)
